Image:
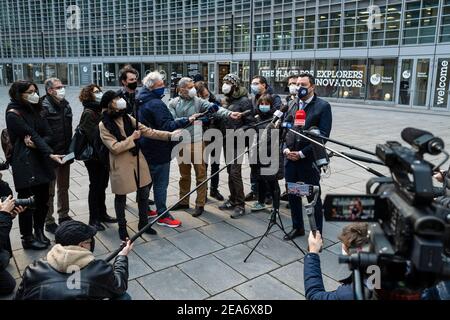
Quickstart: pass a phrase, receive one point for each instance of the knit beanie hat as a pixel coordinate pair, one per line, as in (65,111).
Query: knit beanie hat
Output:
(107,97)
(233,78)
(71,233)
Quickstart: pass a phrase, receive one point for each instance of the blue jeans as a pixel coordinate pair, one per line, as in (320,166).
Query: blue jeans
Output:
(160,180)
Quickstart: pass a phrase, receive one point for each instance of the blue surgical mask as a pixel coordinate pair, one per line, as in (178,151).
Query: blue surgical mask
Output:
(159,92)
(264,108)
(255,89)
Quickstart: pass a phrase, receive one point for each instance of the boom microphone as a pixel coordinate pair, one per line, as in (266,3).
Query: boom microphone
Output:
(423,140)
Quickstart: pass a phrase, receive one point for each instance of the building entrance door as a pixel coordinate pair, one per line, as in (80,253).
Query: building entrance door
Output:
(97,74)
(74,75)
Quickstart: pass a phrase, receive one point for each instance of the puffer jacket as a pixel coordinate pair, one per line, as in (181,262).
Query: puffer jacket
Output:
(59,117)
(48,279)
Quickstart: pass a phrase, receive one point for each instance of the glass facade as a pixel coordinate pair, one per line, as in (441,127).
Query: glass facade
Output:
(83,41)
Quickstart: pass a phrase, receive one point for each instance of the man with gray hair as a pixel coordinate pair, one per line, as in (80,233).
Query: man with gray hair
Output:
(154,113)
(57,111)
(187,104)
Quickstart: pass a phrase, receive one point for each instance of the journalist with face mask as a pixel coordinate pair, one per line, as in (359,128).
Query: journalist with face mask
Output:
(188,104)
(32,159)
(128,78)
(98,171)
(260,87)
(58,113)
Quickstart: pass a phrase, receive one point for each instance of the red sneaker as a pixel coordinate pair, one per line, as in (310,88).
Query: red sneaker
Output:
(169,222)
(152,213)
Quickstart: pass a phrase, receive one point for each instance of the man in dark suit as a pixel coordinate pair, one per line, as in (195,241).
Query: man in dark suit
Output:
(300,166)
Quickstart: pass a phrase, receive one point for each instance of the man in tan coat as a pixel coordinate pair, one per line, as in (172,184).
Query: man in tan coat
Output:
(119,134)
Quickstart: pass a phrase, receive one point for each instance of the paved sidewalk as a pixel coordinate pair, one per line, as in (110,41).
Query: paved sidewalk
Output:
(203,259)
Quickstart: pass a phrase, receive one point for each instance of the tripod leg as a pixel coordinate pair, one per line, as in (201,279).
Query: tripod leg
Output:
(271,224)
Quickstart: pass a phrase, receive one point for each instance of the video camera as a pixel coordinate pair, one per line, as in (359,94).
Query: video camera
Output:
(409,230)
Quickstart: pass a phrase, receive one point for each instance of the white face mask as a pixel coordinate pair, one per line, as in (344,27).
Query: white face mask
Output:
(255,89)
(226,88)
(192,92)
(121,104)
(293,89)
(32,98)
(98,96)
(61,93)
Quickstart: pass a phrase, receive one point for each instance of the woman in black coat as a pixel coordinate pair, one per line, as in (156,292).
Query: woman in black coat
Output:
(90,97)
(31,159)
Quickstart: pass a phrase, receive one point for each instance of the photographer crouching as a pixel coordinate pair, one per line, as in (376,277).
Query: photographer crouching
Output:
(71,271)
(353,238)
(8,211)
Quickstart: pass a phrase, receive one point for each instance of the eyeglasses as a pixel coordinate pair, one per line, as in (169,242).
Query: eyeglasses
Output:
(59,87)
(96,91)
(30,92)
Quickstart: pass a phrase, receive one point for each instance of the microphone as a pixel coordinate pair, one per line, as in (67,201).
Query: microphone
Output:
(319,152)
(300,118)
(213,108)
(286,125)
(423,140)
(277,115)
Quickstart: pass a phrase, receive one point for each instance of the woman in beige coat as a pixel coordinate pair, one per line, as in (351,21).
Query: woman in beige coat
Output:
(118,133)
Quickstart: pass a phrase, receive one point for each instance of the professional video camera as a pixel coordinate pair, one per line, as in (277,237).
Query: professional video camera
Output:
(409,229)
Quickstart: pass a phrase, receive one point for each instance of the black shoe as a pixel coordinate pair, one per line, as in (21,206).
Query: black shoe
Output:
(237,213)
(40,236)
(29,242)
(227,205)
(123,233)
(180,206)
(268,200)
(198,211)
(250,197)
(64,219)
(288,206)
(107,218)
(51,227)
(294,233)
(97,225)
(148,231)
(284,197)
(216,195)
(151,202)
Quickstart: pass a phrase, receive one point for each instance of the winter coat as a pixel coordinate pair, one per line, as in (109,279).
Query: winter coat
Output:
(59,117)
(5,244)
(122,163)
(314,288)
(48,279)
(154,114)
(318,114)
(90,118)
(30,166)
(265,137)
(238,101)
(182,108)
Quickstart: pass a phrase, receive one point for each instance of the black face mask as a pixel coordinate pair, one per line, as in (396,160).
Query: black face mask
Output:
(132,85)
(92,245)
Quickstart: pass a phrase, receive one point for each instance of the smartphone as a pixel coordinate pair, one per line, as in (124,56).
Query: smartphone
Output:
(68,157)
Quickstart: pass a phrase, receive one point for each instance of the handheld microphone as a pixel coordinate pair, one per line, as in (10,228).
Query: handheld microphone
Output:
(300,118)
(423,140)
(277,115)
(213,108)
(286,125)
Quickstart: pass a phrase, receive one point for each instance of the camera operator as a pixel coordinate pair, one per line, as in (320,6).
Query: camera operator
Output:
(50,279)
(353,238)
(8,212)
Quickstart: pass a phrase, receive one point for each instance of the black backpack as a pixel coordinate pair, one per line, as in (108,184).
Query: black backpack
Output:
(101,151)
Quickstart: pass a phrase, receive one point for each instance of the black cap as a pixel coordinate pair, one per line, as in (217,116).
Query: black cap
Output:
(71,233)
(107,97)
